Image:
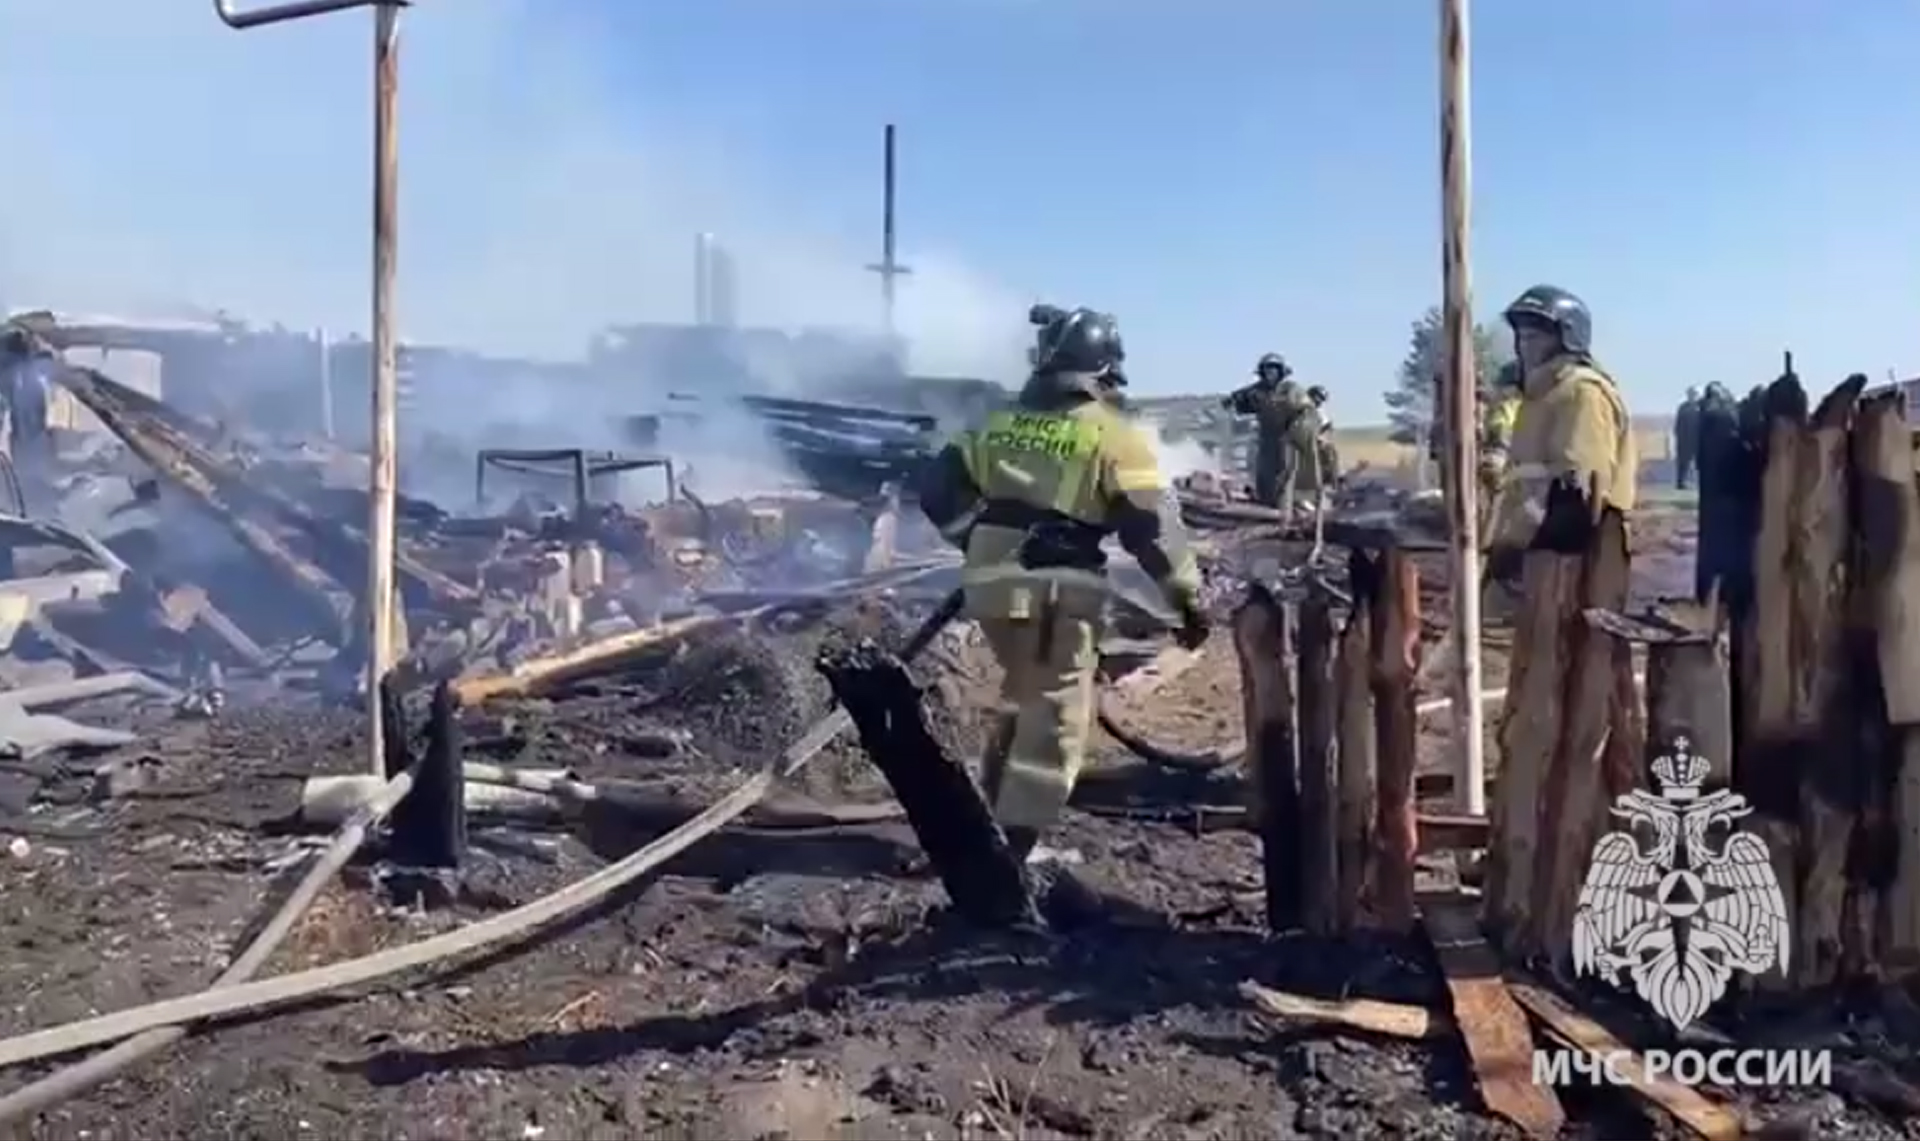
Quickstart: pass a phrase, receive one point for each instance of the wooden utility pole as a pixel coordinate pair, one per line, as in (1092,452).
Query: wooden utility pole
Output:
(1461,457)
(382,469)
(381,629)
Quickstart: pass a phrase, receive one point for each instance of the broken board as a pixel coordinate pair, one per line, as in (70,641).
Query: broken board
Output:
(1701,1115)
(1494,1029)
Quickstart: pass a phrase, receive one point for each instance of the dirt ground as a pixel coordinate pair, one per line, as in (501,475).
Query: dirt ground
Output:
(800,984)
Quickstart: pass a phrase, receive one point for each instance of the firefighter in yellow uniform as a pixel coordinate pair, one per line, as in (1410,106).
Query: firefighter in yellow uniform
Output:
(1571,423)
(1029,496)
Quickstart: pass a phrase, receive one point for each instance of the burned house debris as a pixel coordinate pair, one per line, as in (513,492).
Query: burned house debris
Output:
(617,670)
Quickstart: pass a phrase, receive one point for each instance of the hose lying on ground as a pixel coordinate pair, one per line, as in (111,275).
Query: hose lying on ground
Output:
(62,1085)
(519,923)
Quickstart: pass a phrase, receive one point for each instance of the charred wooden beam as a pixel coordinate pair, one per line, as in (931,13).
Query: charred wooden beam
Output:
(329,605)
(430,823)
(956,828)
(1319,840)
(543,675)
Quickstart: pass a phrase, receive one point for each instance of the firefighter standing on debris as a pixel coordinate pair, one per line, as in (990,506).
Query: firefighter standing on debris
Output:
(1277,404)
(1571,424)
(1029,496)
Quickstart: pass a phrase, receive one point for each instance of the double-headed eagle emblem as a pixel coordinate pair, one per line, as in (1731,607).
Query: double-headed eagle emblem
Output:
(1679,916)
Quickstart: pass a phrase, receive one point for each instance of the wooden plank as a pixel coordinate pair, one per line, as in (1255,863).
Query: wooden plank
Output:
(1494,1029)
(1358,762)
(1700,1114)
(1260,635)
(1393,1019)
(1319,768)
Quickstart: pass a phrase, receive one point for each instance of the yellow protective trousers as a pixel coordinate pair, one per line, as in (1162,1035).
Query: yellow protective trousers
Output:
(1046,715)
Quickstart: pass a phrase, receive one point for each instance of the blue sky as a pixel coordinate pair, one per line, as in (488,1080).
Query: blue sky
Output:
(1720,180)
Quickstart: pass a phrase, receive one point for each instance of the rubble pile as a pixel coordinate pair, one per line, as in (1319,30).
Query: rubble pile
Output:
(204,559)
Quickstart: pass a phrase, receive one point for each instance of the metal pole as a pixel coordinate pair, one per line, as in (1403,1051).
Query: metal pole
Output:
(1462,455)
(886,231)
(386,233)
(326,382)
(888,267)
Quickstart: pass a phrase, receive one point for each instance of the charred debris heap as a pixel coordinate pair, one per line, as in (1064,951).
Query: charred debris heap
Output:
(205,559)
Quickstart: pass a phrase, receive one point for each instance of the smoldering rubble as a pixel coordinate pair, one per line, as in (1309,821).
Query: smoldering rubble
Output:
(189,564)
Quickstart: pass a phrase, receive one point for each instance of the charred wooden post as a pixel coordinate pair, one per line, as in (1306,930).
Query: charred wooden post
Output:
(1566,726)
(1390,583)
(430,823)
(1765,768)
(1888,580)
(1593,761)
(1260,637)
(1359,761)
(951,818)
(1828,762)
(1529,733)
(1319,839)
(1689,696)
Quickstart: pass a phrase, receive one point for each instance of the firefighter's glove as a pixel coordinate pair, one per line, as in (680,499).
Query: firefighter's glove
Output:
(1193,630)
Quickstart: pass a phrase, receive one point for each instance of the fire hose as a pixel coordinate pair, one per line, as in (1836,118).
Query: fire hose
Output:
(62,1085)
(144,1030)
(236,998)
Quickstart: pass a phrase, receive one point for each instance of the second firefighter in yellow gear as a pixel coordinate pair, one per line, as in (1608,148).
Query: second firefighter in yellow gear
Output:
(1029,496)
(1571,424)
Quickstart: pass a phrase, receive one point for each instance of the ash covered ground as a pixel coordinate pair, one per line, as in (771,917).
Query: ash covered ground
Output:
(791,983)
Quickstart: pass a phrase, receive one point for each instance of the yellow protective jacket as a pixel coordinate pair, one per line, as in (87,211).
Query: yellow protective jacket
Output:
(1571,421)
(1039,485)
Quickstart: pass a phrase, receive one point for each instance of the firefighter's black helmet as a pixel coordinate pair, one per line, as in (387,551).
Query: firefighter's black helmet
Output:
(1560,309)
(1273,361)
(1081,340)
